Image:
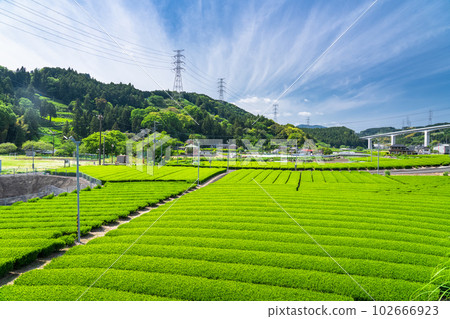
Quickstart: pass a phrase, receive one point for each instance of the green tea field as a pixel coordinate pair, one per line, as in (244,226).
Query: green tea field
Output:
(144,173)
(41,226)
(265,235)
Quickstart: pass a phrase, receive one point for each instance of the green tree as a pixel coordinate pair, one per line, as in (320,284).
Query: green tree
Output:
(66,129)
(25,103)
(6,148)
(7,120)
(137,116)
(116,138)
(158,101)
(43,109)
(327,151)
(31,118)
(67,148)
(51,110)
(37,146)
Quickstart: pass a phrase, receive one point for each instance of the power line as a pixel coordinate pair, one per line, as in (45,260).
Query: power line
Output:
(140,66)
(76,30)
(78,49)
(70,39)
(197,83)
(321,55)
(156,52)
(207,78)
(408,121)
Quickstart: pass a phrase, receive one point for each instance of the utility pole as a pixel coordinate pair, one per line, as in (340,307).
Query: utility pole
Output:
(378,160)
(198,166)
(104,157)
(100,118)
(53,142)
(154,141)
(32,153)
(178,62)
(221,83)
(77,143)
(275,112)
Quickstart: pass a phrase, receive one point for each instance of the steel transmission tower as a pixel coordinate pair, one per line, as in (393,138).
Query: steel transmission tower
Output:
(408,122)
(430,117)
(221,83)
(178,62)
(275,112)
(307,121)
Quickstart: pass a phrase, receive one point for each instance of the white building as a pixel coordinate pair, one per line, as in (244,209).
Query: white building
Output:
(442,148)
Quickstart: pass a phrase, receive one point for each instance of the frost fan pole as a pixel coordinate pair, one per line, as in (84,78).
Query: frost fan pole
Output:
(378,161)
(77,143)
(198,166)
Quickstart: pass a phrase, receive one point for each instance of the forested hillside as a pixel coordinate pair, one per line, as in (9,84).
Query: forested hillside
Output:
(336,136)
(34,103)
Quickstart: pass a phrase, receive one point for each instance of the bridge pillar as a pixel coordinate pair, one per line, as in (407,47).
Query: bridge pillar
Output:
(393,139)
(426,141)
(369,146)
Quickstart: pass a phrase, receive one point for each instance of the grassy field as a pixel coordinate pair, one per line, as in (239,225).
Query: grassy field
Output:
(240,239)
(21,163)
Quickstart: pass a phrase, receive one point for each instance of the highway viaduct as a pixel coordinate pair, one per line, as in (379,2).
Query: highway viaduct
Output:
(393,135)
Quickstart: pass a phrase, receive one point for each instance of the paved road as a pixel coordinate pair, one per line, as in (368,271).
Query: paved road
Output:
(414,171)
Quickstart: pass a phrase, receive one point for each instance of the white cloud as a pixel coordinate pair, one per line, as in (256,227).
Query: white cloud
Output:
(245,43)
(71,41)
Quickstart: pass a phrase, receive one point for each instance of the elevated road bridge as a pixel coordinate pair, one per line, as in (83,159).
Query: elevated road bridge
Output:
(393,135)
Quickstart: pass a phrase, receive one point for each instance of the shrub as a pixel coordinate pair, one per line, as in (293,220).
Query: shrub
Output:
(37,146)
(387,173)
(6,148)
(17,203)
(445,174)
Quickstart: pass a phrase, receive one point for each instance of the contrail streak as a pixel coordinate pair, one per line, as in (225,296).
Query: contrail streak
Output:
(319,57)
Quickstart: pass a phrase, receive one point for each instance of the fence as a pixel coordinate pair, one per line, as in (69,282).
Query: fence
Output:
(26,171)
(90,179)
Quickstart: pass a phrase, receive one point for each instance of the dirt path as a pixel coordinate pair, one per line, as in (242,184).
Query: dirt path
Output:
(95,233)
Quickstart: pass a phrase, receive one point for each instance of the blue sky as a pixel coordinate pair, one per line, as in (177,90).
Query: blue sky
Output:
(392,64)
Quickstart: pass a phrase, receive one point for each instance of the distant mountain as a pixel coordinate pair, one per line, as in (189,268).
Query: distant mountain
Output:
(310,126)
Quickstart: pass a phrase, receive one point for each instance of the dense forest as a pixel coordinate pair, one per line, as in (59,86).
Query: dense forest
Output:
(75,104)
(336,136)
